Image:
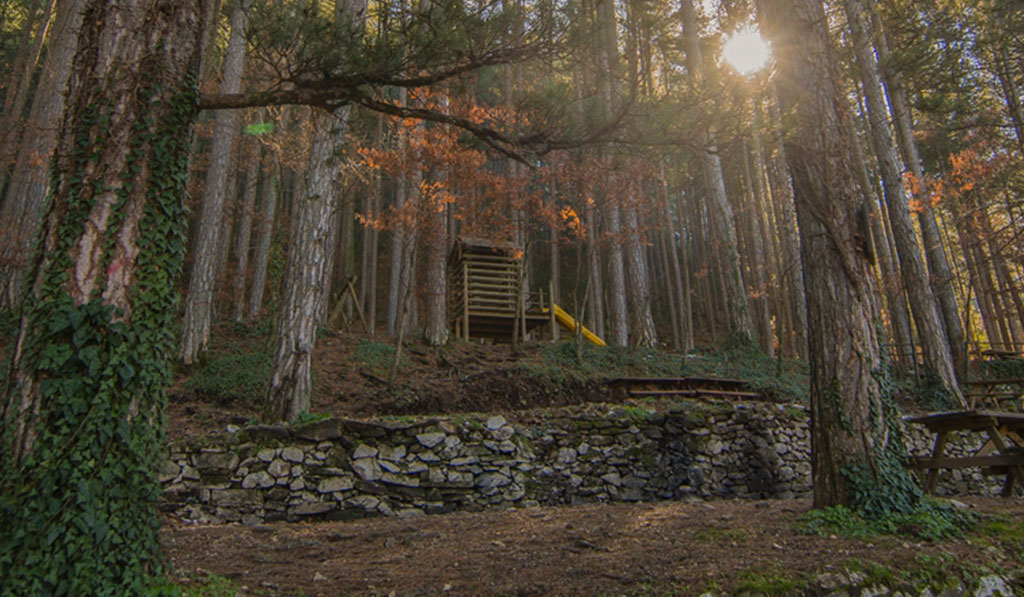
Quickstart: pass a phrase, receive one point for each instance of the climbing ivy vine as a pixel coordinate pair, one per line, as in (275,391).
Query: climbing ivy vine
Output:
(78,505)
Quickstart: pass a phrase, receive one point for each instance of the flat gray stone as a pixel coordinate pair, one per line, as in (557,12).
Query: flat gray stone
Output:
(393,454)
(367,469)
(489,480)
(429,440)
(279,468)
(495,423)
(222,463)
(312,508)
(364,451)
(400,480)
(332,484)
(292,454)
(258,479)
(168,471)
(266,454)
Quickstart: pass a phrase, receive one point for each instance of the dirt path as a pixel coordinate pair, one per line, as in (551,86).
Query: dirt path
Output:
(664,548)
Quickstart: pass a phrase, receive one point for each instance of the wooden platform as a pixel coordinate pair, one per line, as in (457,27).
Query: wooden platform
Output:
(486,294)
(687,387)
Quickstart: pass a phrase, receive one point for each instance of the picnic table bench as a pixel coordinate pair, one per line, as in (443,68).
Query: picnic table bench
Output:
(1001,454)
(994,392)
(636,387)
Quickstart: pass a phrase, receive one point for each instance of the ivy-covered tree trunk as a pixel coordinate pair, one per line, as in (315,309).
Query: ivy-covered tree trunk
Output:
(82,418)
(195,326)
(854,448)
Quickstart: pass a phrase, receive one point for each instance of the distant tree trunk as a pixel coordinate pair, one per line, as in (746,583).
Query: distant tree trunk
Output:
(741,325)
(20,82)
(935,253)
(595,295)
(22,208)
(616,286)
(854,446)
(639,288)
(305,273)
(264,236)
(371,239)
(791,269)
(82,416)
(931,331)
(195,327)
(761,260)
(244,236)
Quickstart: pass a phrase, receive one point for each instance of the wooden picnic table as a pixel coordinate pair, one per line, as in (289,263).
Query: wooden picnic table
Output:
(636,387)
(1001,454)
(1001,355)
(994,391)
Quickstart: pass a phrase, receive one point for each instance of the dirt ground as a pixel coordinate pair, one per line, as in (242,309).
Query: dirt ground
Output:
(668,548)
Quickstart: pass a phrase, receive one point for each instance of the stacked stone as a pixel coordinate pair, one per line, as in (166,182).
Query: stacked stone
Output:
(339,469)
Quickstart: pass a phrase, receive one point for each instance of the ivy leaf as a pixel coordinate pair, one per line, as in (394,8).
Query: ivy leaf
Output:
(259,128)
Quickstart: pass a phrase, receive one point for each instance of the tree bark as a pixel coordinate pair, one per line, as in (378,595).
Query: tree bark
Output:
(22,207)
(244,236)
(264,236)
(941,274)
(931,331)
(853,442)
(82,420)
(195,327)
(291,382)
(639,288)
(17,96)
(741,325)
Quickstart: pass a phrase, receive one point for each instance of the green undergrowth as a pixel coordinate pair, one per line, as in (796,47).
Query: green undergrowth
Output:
(378,357)
(570,360)
(930,520)
(780,380)
(227,377)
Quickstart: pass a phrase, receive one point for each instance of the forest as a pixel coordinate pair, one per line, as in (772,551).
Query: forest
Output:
(846,192)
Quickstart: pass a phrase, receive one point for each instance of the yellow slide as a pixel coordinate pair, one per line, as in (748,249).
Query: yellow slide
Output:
(569,322)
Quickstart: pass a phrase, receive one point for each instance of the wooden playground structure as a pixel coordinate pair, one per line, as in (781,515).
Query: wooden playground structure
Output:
(488,297)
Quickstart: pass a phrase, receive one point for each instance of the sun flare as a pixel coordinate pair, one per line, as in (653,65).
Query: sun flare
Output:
(746,51)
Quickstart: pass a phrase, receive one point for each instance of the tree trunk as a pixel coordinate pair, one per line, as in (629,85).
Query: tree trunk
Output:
(16,98)
(264,236)
(82,420)
(23,204)
(931,331)
(792,270)
(616,286)
(195,327)
(741,325)
(305,273)
(595,296)
(941,274)
(855,445)
(244,236)
(639,288)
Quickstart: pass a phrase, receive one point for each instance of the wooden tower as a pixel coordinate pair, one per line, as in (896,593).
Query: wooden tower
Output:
(486,293)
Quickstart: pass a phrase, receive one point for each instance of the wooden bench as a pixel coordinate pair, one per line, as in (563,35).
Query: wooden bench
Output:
(995,392)
(687,387)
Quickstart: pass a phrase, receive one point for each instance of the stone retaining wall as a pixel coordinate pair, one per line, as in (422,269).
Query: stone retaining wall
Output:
(338,469)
